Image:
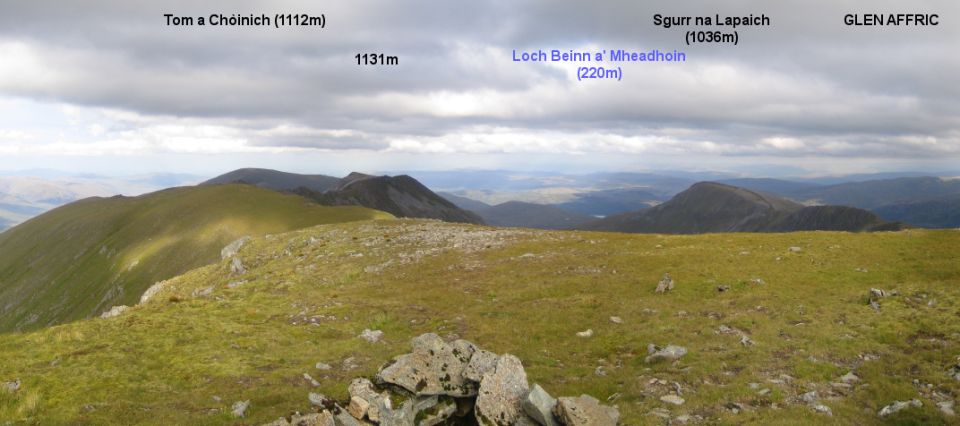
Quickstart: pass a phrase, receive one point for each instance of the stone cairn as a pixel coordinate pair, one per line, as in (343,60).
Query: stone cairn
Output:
(453,383)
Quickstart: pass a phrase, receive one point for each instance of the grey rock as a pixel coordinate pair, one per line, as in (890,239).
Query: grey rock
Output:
(946,407)
(897,406)
(810,397)
(318,400)
(876,293)
(955,372)
(539,405)
(616,320)
(669,353)
(586,333)
(795,249)
(236,266)
(323,418)
(746,340)
(323,366)
(442,411)
(239,408)
(235,284)
(434,368)
(585,410)
(722,288)
(313,382)
(202,292)
(152,291)
(822,409)
(114,311)
(366,401)
(372,336)
(349,363)
(665,284)
(480,363)
(501,394)
(12,386)
(672,399)
(233,248)
(849,378)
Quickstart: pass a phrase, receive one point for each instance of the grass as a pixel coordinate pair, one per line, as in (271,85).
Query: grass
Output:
(526,293)
(80,260)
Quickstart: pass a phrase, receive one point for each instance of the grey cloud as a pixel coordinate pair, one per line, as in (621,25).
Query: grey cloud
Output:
(808,76)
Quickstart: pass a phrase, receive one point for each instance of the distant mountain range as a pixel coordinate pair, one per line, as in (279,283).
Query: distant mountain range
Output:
(715,207)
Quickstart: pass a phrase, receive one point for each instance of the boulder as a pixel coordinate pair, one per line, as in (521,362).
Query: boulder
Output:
(849,378)
(233,248)
(585,410)
(669,353)
(434,368)
(946,407)
(897,406)
(665,284)
(324,418)
(365,401)
(538,405)
(502,392)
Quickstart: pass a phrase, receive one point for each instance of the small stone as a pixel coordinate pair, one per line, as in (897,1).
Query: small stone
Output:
(822,409)
(348,364)
(897,406)
(114,311)
(12,386)
(670,353)
(753,386)
(317,399)
(323,366)
(746,341)
(372,336)
(586,333)
(758,281)
(239,408)
(358,407)
(672,399)
(313,382)
(722,288)
(616,320)
(585,410)
(539,406)
(849,378)
(665,284)
(763,392)
(810,397)
(600,371)
(795,249)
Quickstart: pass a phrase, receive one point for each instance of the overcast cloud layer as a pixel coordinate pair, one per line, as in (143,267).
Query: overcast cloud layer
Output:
(111,79)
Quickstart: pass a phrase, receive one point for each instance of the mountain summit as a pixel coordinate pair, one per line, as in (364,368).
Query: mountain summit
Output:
(716,207)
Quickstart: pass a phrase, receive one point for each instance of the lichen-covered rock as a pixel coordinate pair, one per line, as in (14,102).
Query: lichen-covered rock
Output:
(480,363)
(585,410)
(501,394)
(372,336)
(236,266)
(324,418)
(539,406)
(434,368)
(365,401)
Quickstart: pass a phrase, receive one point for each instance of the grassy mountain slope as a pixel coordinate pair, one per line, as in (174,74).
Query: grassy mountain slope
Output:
(81,259)
(184,359)
(276,180)
(876,193)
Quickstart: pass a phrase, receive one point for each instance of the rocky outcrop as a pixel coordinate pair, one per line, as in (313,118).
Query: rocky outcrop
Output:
(444,383)
(114,311)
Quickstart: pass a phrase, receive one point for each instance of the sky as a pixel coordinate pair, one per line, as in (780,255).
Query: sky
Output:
(107,87)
